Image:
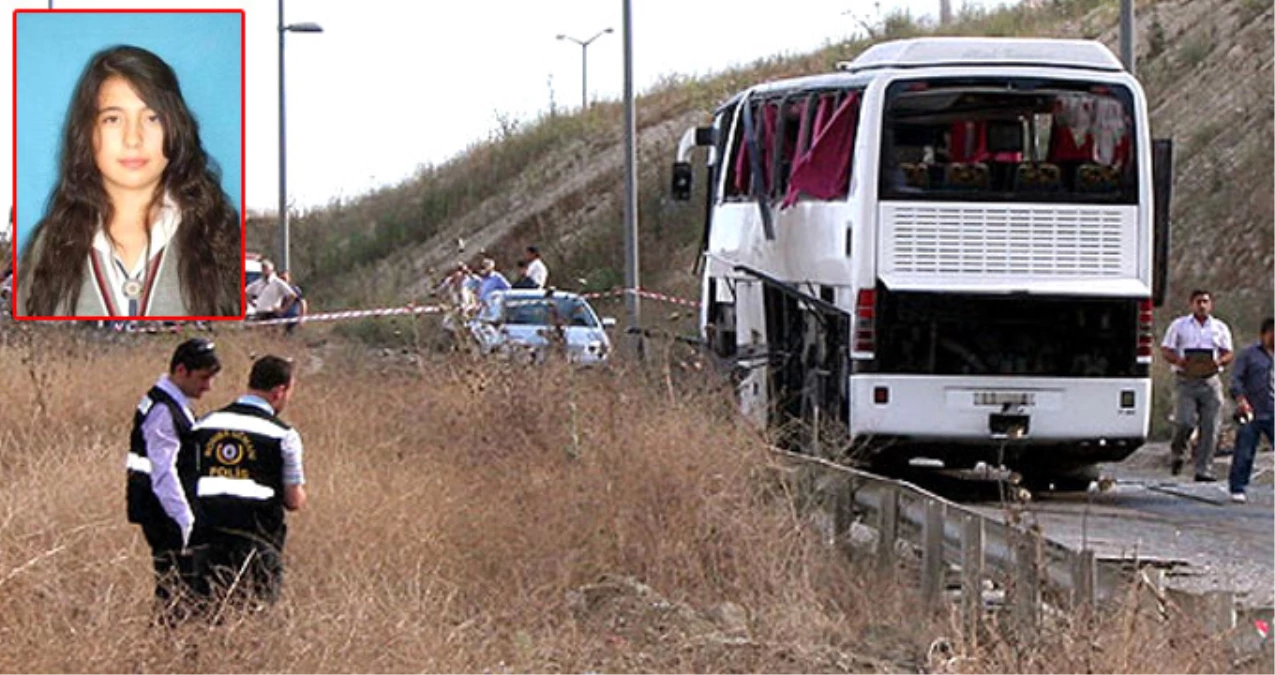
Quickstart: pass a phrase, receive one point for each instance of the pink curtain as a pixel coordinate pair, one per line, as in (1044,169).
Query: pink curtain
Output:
(823,171)
(743,169)
(769,117)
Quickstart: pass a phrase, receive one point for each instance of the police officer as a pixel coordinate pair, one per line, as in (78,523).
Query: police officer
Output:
(248,471)
(160,478)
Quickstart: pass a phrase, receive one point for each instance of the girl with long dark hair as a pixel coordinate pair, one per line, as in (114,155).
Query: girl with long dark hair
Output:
(138,224)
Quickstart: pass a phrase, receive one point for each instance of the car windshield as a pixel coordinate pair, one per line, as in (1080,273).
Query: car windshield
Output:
(567,310)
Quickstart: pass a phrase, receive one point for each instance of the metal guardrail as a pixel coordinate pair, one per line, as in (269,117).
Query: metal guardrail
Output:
(1010,551)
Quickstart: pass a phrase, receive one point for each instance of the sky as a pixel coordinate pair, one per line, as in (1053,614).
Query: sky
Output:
(390,86)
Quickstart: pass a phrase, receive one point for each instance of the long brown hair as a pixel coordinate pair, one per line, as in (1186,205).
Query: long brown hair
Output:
(208,239)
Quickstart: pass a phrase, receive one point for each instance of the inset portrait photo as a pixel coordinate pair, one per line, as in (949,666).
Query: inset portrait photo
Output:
(129,164)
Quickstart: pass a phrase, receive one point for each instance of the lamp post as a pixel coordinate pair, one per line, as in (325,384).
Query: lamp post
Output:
(309,27)
(584,63)
(632,305)
(1127,35)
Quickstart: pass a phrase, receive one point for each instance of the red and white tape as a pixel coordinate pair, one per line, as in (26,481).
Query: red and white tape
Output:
(414,310)
(652,295)
(351,314)
(642,293)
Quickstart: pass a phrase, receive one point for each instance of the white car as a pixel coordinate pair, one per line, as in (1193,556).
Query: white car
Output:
(528,322)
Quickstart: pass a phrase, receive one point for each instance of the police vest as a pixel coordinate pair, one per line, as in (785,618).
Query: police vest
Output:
(143,505)
(239,486)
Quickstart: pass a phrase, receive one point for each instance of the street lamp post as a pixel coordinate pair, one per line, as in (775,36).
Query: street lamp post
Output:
(584,63)
(309,27)
(632,305)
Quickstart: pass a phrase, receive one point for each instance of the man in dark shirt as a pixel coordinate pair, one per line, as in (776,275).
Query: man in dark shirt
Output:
(160,478)
(1254,393)
(524,281)
(248,472)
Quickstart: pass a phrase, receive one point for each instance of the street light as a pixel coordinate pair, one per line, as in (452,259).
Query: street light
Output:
(632,304)
(308,27)
(584,63)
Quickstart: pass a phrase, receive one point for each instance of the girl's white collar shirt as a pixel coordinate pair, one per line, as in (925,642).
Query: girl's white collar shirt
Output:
(163,229)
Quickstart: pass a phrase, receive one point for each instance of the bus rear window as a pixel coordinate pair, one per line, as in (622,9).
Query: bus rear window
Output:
(1008,140)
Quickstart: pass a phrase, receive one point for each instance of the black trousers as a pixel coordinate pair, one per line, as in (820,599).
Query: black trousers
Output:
(242,566)
(175,574)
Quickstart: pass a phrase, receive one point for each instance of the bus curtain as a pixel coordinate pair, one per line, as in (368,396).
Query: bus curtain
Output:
(765,142)
(823,170)
(1089,129)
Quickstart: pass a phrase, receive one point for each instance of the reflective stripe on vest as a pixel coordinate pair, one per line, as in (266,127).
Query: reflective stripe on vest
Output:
(138,463)
(240,422)
(213,486)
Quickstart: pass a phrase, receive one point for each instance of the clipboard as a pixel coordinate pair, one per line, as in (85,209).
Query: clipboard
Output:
(1198,363)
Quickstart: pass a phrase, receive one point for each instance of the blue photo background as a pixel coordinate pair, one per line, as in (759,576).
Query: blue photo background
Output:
(204,48)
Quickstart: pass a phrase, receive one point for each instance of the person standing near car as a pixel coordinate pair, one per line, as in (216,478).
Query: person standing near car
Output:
(249,471)
(161,474)
(1254,393)
(270,295)
(492,281)
(298,308)
(1198,347)
(524,280)
(537,271)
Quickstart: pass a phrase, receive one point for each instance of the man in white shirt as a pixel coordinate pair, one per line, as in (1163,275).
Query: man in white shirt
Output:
(270,295)
(1197,346)
(537,271)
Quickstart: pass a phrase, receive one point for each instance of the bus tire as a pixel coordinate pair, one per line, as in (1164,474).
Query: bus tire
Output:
(1060,479)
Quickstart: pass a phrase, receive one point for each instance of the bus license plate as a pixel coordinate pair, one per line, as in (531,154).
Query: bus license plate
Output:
(1000,399)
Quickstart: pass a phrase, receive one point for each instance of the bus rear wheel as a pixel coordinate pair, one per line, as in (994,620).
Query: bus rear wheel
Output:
(1059,478)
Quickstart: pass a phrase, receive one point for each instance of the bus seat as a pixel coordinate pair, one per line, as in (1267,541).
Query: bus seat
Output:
(967,176)
(1097,178)
(1037,177)
(917,174)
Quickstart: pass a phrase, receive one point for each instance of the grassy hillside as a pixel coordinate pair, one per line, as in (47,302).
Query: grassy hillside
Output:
(558,180)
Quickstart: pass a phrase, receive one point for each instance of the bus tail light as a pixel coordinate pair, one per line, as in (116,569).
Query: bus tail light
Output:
(1146,339)
(865,330)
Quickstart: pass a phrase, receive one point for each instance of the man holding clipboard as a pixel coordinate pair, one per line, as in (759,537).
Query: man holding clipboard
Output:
(1197,346)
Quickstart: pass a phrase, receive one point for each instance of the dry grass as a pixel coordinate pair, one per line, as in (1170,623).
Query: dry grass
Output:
(476,517)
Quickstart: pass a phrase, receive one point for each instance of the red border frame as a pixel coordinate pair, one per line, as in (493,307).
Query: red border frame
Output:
(243,165)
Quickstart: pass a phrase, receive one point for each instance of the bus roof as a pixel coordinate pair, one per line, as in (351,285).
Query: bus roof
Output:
(967,51)
(939,52)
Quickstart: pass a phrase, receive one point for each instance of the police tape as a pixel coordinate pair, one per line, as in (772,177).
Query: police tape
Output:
(349,314)
(405,310)
(440,309)
(641,293)
(652,295)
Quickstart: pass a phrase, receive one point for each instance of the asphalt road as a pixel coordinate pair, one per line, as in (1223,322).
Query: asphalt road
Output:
(1192,530)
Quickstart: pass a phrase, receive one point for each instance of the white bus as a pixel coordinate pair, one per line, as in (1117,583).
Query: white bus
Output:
(950,246)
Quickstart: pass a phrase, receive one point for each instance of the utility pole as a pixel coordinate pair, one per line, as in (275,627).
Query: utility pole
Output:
(631,302)
(1126,35)
(945,12)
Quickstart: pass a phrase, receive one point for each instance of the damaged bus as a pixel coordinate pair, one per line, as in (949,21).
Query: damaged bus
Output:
(948,248)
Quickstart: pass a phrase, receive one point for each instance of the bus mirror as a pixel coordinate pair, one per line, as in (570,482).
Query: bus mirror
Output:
(682,181)
(1162,202)
(695,137)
